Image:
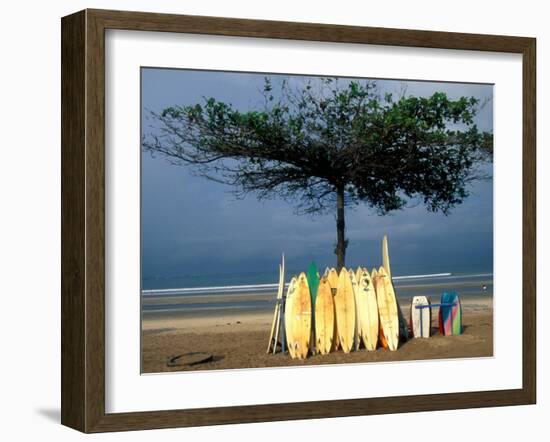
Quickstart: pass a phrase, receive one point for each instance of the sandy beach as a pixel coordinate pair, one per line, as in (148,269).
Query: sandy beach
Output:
(239,340)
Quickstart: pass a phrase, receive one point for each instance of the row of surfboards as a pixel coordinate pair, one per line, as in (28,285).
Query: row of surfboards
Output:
(350,308)
(347,309)
(340,311)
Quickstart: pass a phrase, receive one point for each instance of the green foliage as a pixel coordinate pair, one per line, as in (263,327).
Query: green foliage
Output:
(307,143)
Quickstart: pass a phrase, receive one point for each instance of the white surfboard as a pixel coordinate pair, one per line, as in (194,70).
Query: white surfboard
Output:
(279,303)
(276,323)
(420,317)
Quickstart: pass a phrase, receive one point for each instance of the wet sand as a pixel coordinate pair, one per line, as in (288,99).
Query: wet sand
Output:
(239,340)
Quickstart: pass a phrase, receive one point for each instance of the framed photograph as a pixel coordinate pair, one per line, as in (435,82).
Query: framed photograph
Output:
(269,220)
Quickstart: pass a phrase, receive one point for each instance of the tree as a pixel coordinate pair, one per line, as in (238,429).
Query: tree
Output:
(324,145)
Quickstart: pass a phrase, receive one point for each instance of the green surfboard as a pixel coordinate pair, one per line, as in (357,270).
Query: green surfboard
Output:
(313,281)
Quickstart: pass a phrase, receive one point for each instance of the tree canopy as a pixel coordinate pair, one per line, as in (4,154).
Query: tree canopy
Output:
(324,146)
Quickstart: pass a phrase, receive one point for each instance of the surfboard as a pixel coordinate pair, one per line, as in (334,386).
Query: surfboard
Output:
(358,273)
(280,322)
(276,314)
(457,318)
(355,290)
(301,318)
(279,308)
(387,309)
(283,333)
(386,256)
(324,317)
(381,338)
(344,304)
(456,314)
(374,273)
(440,323)
(445,314)
(289,332)
(313,281)
(333,281)
(367,311)
(420,317)
(403,327)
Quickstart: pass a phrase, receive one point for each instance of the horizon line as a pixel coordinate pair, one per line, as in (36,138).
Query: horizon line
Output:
(274,285)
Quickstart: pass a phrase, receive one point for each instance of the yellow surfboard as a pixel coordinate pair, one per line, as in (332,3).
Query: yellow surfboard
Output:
(324,317)
(387,308)
(367,311)
(300,317)
(333,281)
(344,303)
(403,327)
(374,273)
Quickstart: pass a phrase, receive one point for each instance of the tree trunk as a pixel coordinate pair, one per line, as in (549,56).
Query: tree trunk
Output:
(340,229)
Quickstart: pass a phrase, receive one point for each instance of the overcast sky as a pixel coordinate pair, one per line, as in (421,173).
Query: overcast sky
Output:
(192,225)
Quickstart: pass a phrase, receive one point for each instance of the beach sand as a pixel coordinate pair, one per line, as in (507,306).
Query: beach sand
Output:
(239,340)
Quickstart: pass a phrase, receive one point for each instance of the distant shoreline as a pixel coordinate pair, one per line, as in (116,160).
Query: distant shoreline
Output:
(203,302)
(469,304)
(268,286)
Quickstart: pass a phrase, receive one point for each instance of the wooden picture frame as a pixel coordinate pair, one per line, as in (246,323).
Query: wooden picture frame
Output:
(83,220)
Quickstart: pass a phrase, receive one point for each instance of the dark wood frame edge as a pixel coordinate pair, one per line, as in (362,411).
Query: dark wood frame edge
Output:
(83,215)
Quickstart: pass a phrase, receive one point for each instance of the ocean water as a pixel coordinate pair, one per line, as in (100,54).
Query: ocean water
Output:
(255,292)
(271,277)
